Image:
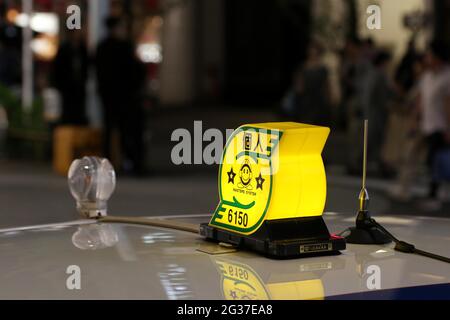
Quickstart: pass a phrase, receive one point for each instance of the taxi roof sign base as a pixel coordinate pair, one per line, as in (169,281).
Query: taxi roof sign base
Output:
(282,239)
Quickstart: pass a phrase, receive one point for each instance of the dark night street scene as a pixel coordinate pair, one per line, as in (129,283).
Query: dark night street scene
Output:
(264,127)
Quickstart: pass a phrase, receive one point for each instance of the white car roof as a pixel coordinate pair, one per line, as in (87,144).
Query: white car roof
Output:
(123,261)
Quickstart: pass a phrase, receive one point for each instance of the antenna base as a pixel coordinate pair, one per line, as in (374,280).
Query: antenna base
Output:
(365,232)
(366,236)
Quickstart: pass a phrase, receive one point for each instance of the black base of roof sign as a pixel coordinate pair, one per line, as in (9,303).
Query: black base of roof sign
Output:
(282,239)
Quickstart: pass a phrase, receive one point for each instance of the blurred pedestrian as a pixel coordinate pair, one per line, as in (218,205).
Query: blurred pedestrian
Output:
(308,100)
(434,110)
(10,66)
(378,94)
(405,72)
(369,49)
(121,78)
(403,128)
(70,72)
(355,67)
(316,88)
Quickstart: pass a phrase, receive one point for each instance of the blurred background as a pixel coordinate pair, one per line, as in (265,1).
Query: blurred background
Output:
(115,78)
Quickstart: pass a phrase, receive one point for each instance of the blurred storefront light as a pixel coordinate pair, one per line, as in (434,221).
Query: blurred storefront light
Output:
(42,22)
(150,52)
(44,47)
(149,49)
(11,15)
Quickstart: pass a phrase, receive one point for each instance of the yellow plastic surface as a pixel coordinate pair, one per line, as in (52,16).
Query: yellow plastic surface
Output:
(269,172)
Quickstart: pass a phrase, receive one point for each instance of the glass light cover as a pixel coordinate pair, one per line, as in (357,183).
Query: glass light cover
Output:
(92,181)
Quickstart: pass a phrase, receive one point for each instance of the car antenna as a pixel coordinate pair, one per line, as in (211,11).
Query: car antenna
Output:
(367,230)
